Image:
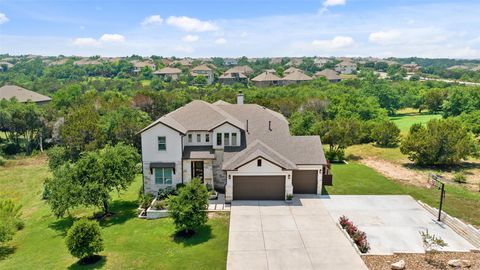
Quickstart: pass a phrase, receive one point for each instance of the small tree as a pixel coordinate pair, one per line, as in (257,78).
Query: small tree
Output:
(10,220)
(188,208)
(431,243)
(84,239)
(386,133)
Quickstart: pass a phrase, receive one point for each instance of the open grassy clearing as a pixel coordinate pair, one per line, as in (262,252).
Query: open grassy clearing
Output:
(406,118)
(130,243)
(358,179)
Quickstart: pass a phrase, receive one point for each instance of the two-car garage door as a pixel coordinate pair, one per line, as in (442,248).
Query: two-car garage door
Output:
(259,187)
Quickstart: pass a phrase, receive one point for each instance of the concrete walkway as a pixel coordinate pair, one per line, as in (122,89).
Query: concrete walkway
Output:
(273,235)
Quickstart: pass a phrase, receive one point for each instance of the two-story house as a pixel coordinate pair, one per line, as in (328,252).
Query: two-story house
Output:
(205,71)
(244,150)
(346,67)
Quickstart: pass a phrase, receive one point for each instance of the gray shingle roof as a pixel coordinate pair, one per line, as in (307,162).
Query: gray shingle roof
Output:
(21,94)
(328,74)
(297,76)
(272,142)
(266,77)
(167,70)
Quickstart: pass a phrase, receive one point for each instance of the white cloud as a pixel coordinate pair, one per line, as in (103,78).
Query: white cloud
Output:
(220,41)
(338,42)
(3,18)
(385,37)
(190,38)
(331,3)
(152,20)
(191,24)
(112,38)
(86,42)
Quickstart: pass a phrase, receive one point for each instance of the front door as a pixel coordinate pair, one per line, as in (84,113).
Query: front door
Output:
(197,170)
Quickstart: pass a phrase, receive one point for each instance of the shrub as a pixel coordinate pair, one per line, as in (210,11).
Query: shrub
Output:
(188,208)
(179,186)
(10,221)
(57,156)
(289,197)
(386,133)
(431,242)
(84,239)
(358,237)
(146,200)
(460,177)
(160,205)
(163,193)
(11,149)
(2,161)
(335,155)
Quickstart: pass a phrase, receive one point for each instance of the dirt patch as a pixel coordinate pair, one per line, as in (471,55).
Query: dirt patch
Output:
(396,171)
(402,173)
(415,261)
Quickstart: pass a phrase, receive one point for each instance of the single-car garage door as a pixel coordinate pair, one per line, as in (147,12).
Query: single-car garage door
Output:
(259,187)
(304,182)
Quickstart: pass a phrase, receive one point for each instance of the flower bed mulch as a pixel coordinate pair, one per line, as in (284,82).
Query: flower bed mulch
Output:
(416,261)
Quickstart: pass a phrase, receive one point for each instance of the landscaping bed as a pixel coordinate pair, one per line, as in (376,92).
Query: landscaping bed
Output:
(416,261)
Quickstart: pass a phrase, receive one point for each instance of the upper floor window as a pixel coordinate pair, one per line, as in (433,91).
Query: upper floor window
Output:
(207,137)
(162,143)
(219,138)
(234,139)
(199,137)
(163,176)
(189,138)
(226,139)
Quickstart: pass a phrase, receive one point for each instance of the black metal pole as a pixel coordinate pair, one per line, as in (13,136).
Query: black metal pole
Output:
(442,194)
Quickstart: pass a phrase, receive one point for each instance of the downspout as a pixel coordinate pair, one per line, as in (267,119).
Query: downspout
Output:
(181,159)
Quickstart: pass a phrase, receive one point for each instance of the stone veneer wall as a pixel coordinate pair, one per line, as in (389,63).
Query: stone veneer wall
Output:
(219,176)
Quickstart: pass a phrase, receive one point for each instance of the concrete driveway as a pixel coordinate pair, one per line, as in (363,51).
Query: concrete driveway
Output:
(272,235)
(392,222)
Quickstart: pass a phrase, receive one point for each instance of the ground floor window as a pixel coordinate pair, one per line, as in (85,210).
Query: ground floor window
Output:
(163,176)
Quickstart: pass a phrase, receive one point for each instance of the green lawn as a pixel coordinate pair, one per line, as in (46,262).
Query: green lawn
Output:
(130,243)
(358,179)
(406,119)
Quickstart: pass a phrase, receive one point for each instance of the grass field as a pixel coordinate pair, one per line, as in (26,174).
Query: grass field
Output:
(130,243)
(358,179)
(406,118)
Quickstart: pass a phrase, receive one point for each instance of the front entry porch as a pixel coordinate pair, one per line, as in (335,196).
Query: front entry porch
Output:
(198,168)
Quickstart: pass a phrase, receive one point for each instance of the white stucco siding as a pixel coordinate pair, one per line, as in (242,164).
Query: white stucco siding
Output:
(203,135)
(225,128)
(150,153)
(266,168)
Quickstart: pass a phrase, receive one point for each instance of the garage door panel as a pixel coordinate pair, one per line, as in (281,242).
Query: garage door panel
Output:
(304,181)
(259,187)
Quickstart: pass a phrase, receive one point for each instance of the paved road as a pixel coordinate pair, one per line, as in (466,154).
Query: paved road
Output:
(272,235)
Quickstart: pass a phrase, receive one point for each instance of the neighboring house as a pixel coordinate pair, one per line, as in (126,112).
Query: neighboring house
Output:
(236,74)
(245,150)
(346,67)
(139,65)
(295,62)
(319,62)
(182,62)
(291,70)
(5,66)
(168,72)
(265,79)
(22,95)
(205,71)
(272,71)
(230,62)
(411,68)
(296,77)
(330,75)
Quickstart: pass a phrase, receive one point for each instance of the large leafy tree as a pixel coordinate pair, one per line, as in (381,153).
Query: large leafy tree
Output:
(385,133)
(441,142)
(91,180)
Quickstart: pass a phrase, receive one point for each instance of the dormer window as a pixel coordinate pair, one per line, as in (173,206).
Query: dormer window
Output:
(199,138)
(219,138)
(189,138)
(207,137)
(234,139)
(259,163)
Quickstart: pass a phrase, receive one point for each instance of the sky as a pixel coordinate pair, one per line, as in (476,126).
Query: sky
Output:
(234,28)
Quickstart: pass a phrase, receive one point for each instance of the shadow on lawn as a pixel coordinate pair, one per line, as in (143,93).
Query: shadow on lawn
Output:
(6,251)
(203,234)
(99,264)
(122,211)
(62,225)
